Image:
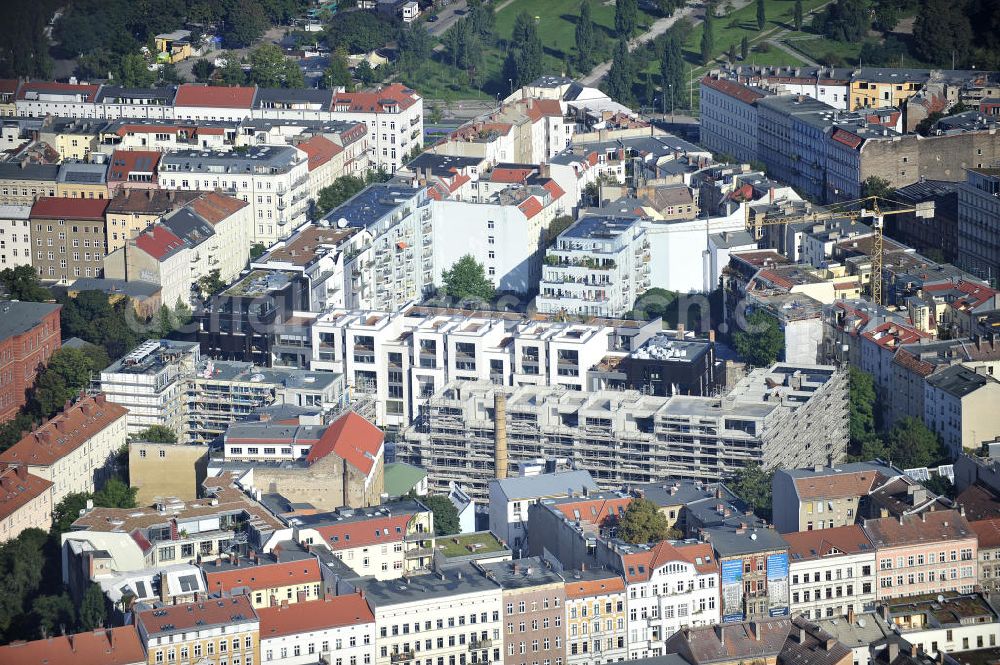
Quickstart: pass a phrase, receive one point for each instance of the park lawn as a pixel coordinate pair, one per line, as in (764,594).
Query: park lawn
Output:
(436,80)
(557,25)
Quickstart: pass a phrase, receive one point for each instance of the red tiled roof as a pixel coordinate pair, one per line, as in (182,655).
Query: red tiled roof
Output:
(113,646)
(554,189)
(590,588)
(320,150)
(123,162)
(54,207)
(892,335)
(698,554)
(852,141)
(158,241)
(850,539)
(67,431)
(732,89)
(353,439)
(907,360)
(505,174)
(8,86)
(264,576)
(211,612)
(594,511)
(930,526)
(214,207)
(332,612)
(362,533)
(776,279)
(836,485)
(988,532)
(18,488)
(189,94)
(375,101)
(89,92)
(531,206)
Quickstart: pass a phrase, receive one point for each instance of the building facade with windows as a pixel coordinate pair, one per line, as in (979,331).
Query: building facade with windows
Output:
(216,629)
(15,236)
(831,572)
(453,614)
(70,238)
(338,629)
(534,600)
(596,628)
(929,553)
(267,580)
(29,335)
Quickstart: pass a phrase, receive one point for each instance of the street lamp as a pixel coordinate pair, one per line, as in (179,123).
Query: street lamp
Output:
(671,86)
(511,81)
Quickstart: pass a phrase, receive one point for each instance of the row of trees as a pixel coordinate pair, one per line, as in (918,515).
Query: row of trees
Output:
(269,68)
(666,51)
(344,188)
(907,444)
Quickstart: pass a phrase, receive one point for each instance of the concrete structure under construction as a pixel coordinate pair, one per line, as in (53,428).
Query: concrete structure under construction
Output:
(784,416)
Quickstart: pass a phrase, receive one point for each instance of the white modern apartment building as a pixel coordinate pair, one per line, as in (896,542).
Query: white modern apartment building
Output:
(831,572)
(150,382)
(395,119)
(404,358)
(337,629)
(15,236)
(597,267)
(668,586)
(451,615)
(509,499)
(504,231)
(274,180)
(394,262)
(959,405)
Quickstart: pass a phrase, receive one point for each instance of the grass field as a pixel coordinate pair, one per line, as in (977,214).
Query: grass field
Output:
(557,25)
(468,543)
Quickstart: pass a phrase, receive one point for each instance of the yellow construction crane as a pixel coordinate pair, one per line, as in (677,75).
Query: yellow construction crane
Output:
(871,206)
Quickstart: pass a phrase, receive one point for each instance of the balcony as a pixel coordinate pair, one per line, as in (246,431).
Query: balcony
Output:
(480,644)
(401,656)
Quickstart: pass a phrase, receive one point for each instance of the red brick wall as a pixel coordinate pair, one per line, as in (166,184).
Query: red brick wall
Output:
(20,358)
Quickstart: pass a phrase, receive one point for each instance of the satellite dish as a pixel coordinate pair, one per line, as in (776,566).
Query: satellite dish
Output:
(940,598)
(342,222)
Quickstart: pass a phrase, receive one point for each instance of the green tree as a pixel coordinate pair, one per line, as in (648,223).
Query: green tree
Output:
(53,614)
(752,484)
(445,514)
(942,32)
(211,283)
(360,32)
(115,494)
(231,73)
(69,371)
(415,44)
(863,402)
(270,69)
(761,342)
(338,72)
(762,15)
(257,250)
(796,15)
(940,485)
(21,283)
(202,70)
(708,36)
(167,74)
(876,186)
(21,574)
(621,74)
(626,18)
(14,430)
(93,612)
(523,63)
(156,434)
(245,21)
(341,190)
(654,303)
(911,444)
(644,522)
(672,71)
(844,20)
(467,279)
(364,73)
(744,48)
(557,226)
(68,510)
(134,73)
(585,40)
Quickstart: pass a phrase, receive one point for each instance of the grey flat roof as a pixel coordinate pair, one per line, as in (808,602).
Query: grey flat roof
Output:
(522,574)
(311,95)
(458,580)
(545,484)
(280,157)
(109,94)
(19,317)
(959,380)
(442,165)
(727,542)
(19,171)
(371,204)
(82,174)
(599,227)
(134,289)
